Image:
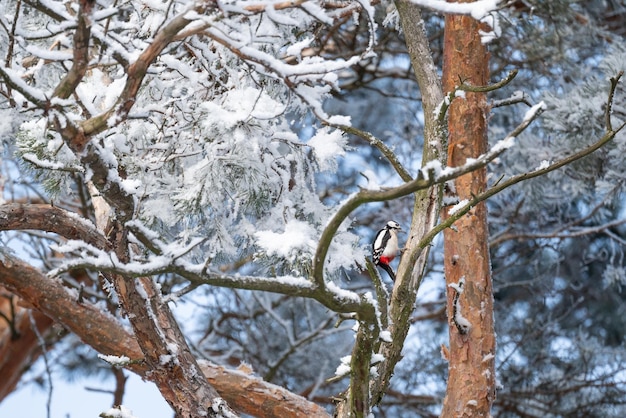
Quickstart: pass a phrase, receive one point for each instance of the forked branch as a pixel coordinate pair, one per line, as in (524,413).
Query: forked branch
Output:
(607,137)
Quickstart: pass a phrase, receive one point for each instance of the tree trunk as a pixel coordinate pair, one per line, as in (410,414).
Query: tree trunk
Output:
(19,345)
(471,380)
(427,202)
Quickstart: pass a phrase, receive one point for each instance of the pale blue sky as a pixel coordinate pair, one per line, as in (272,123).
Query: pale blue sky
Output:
(71,400)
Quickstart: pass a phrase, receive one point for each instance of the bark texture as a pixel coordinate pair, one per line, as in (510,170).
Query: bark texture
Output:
(48,298)
(19,344)
(427,202)
(471,383)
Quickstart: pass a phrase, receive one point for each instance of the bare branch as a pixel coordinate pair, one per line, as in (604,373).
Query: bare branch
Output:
(378,144)
(9,57)
(68,85)
(609,105)
(491,87)
(474,89)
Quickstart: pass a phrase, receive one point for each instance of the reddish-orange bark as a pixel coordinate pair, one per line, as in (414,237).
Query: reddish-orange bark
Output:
(471,382)
(19,345)
(105,334)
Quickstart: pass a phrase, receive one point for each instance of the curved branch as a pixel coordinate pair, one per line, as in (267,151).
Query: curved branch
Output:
(431,175)
(458,213)
(379,145)
(138,70)
(490,87)
(609,105)
(49,296)
(474,89)
(334,298)
(18,216)
(107,336)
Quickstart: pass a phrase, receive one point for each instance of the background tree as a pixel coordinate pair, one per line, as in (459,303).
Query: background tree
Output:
(171,131)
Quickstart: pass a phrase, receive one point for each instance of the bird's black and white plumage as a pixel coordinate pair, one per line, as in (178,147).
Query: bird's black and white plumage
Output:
(385,247)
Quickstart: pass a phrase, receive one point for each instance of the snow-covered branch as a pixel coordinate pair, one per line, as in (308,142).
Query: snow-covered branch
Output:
(481,10)
(170,260)
(476,9)
(543,169)
(15,216)
(110,338)
(432,173)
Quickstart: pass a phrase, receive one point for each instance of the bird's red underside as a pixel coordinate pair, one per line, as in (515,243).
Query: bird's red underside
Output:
(386,260)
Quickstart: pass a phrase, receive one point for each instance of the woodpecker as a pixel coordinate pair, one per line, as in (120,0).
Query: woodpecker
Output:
(385,247)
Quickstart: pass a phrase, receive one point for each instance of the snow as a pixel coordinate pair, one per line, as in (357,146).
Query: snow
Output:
(317,11)
(118,412)
(543,164)
(532,112)
(459,320)
(165,359)
(49,165)
(342,293)
(377,358)
(51,55)
(344,368)
(385,336)
(436,167)
(477,9)
(454,209)
(328,144)
(298,236)
(221,409)
(16,79)
(481,10)
(503,145)
(281,18)
(462,321)
(119,361)
(296,48)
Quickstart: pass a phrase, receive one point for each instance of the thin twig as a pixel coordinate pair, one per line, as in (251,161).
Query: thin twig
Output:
(44,351)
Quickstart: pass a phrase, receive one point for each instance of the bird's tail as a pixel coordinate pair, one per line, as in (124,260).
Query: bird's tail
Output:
(389,270)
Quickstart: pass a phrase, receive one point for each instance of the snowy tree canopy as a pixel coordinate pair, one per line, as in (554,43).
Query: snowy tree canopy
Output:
(182,149)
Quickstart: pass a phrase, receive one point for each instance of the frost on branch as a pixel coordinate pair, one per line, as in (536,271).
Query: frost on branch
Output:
(46,156)
(118,361)
(206,149)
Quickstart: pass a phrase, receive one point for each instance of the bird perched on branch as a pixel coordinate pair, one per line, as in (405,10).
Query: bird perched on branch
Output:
(385,247)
